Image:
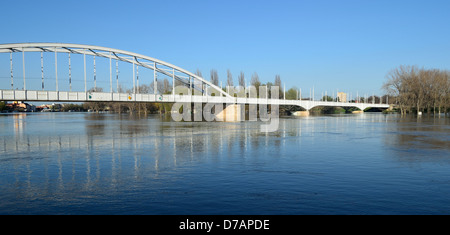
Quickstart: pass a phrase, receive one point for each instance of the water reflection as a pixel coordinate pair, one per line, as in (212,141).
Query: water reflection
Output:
(419,133)
(113,148)
(79,157)
(95,124)
(19,122)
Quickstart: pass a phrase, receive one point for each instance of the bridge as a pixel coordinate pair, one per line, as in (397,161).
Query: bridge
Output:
(196,88)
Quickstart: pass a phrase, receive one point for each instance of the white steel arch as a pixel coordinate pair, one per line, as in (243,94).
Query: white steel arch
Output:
(111,53)
(158,66)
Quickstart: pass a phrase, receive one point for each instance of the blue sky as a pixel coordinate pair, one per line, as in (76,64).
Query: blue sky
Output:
(346,45)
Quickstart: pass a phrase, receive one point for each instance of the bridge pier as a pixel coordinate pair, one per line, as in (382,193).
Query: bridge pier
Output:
(231,113)
(301,113)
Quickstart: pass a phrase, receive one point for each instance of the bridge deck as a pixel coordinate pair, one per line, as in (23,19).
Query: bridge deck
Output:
(63,96)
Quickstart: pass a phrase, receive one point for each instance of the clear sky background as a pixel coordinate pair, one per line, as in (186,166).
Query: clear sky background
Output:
(348,45)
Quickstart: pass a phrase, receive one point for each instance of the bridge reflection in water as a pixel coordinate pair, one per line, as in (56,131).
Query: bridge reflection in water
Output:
(96,152)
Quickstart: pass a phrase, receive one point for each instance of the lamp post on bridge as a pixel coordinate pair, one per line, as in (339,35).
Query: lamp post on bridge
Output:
(155,80)
(95,76)
(23,66)
(11,64)
(84,61)
(56,69)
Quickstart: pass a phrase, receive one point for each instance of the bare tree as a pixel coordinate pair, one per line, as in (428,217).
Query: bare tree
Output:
(396,86)
(277,80)
(167,88)
(229,78)
(418,89)
(439,90)
(160,87)
(278,83)
(255,82)
(144,89)
(95,89)
(214,77)
(241,79)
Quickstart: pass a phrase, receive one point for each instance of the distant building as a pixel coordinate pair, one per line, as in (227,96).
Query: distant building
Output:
(49,107)
(20,107)
(43,108)
(342,97)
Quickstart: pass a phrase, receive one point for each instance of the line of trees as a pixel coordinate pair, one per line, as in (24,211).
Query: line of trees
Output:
(419,90)
(254,81)
(2,105)
(131,107)
(123,107)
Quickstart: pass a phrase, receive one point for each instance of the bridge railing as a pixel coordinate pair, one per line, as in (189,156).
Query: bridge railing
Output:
(67,96)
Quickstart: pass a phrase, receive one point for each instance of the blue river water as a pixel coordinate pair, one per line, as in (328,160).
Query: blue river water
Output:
(88,163)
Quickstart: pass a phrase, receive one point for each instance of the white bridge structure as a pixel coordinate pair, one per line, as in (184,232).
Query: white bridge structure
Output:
(197,89)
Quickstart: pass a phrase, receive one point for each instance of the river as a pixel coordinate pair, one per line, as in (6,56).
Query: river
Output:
(88,163)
